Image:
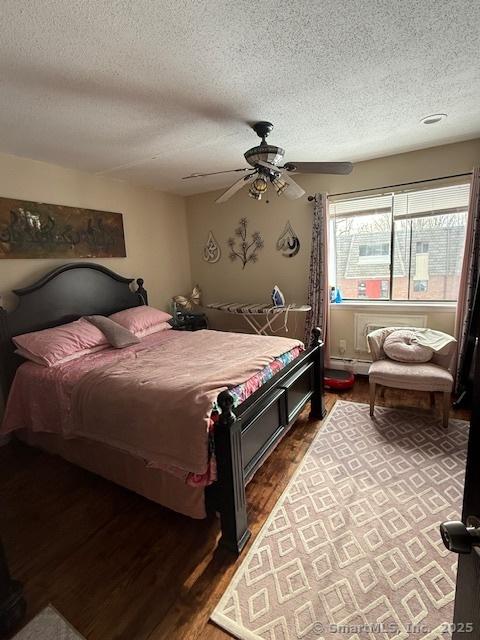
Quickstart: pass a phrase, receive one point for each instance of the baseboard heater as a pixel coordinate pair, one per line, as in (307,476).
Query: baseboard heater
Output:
(360,367)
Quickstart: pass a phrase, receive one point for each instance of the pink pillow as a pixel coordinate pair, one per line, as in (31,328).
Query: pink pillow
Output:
(162,326)
(140,319)
(60,344)
(85,352)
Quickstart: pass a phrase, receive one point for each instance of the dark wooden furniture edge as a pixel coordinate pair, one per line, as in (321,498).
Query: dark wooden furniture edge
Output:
(12,602)
(68,267)
(233,474)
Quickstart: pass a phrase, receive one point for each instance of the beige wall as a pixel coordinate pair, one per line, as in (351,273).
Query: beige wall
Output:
(154,222)
(226,280)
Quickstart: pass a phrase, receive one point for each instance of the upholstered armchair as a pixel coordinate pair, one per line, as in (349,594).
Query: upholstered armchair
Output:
(433,376)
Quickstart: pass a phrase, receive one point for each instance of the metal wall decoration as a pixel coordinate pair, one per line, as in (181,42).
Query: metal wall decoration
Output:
(39,230)
(288,243)
(247,249)
(211,250)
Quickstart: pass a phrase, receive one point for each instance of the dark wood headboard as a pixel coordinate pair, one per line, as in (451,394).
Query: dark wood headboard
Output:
(63,295)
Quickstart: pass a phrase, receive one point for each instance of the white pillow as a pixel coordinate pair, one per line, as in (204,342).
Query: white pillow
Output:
(402,345)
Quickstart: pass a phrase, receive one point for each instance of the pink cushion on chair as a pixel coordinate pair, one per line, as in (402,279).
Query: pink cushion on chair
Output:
(62,343)
(402,346)
(139,320)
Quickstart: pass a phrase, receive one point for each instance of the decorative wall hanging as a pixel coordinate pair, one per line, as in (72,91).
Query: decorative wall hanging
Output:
(288,243)
(39,230)
(188,302)
(247,250)
(211,250)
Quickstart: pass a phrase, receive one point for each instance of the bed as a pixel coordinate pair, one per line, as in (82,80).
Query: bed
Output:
(247,426)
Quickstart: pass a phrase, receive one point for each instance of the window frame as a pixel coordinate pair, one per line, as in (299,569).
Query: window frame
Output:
(360,300)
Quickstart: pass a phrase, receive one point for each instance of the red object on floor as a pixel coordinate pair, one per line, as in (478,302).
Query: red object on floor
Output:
(338,380)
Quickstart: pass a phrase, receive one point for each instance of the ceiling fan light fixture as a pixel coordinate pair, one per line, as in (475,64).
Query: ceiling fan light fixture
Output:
(268,153)
(254,194)
(260,185)
(265,168)
(280,185)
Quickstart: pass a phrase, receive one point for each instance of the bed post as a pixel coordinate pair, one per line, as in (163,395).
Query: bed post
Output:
(141,292)
(317,403)
(6,354)
(231,484)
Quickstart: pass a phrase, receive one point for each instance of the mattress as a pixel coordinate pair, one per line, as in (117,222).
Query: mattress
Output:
(40,402)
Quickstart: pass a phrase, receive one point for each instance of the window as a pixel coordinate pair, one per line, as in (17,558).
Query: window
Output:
(384,289)
(378,249)
(420,286)
(374,253)
(400,246)
(422,247)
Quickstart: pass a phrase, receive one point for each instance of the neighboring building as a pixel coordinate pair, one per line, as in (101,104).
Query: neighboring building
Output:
(429,258)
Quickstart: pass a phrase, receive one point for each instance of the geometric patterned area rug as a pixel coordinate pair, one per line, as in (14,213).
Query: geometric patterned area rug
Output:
(352,548)
(48,625)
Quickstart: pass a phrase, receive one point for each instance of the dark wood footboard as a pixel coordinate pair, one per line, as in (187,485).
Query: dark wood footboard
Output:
(245,435)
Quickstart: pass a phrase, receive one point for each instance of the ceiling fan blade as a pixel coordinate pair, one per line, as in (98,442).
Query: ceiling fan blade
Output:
(339,168)
(236,186)
(293,191)
(270,166)
(215,173)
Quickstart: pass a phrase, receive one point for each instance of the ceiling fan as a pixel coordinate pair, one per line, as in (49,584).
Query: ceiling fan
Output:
(264,168)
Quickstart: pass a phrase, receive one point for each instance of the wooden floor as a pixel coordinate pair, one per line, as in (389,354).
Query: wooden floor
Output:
(118,566)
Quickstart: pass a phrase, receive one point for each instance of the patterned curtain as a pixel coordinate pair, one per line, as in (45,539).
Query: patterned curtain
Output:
(470,270)
(318,290)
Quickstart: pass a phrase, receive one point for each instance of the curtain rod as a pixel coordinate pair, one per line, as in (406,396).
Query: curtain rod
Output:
(392,186)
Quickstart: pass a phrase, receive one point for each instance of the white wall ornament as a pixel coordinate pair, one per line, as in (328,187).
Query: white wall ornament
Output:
(288,243)
(211,250)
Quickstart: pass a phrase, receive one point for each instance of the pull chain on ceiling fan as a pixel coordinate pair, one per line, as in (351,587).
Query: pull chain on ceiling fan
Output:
(264,169)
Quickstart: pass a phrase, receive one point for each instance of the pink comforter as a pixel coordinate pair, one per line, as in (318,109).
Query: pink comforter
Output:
(153,400)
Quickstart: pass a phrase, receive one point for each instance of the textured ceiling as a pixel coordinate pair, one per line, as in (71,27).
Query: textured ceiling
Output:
(150,91)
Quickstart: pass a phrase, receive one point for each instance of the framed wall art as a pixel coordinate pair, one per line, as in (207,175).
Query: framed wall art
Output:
(40,230)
